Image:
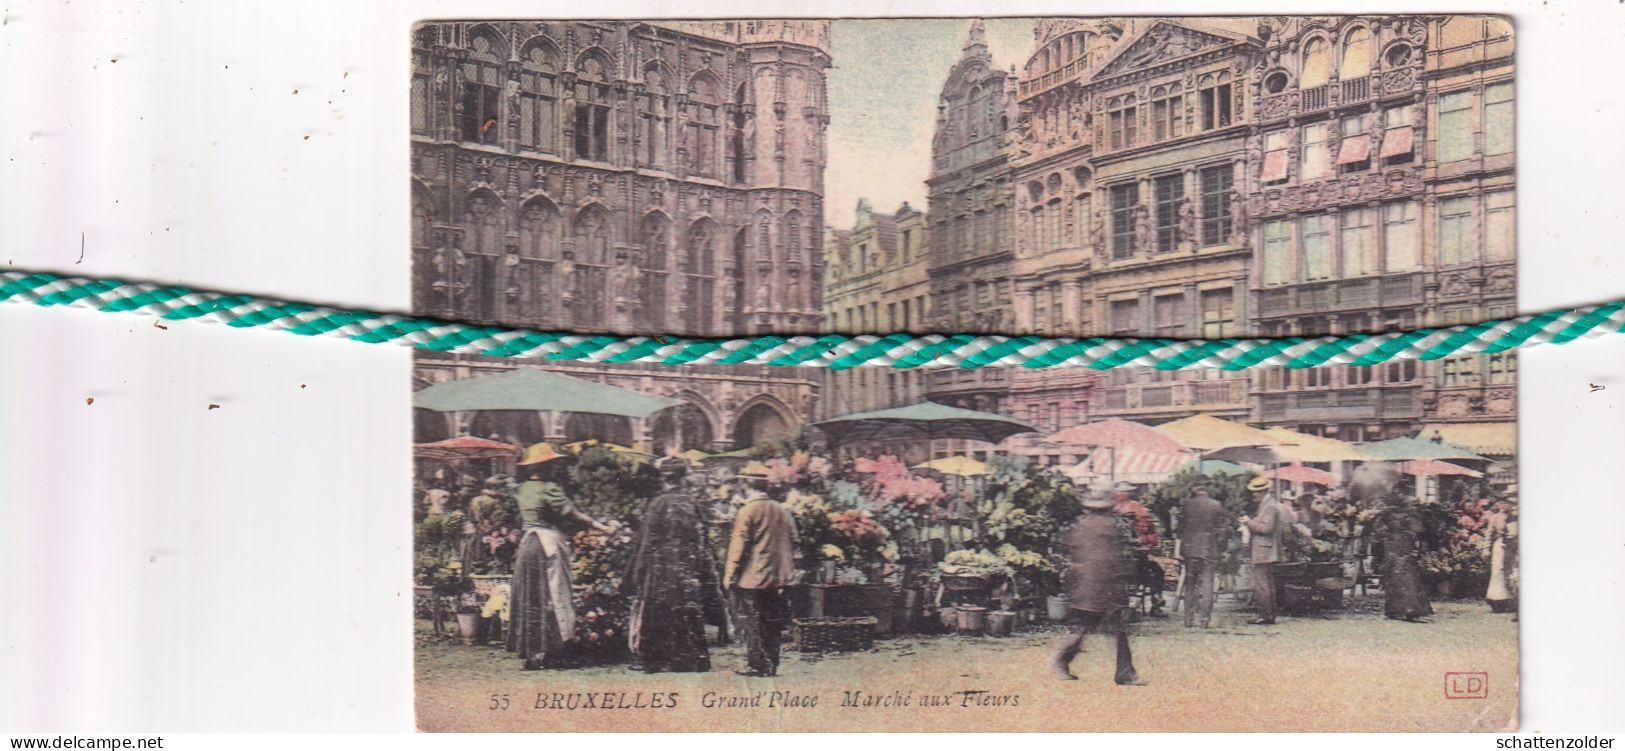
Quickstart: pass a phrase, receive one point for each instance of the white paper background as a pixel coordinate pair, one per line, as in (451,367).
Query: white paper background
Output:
(167,566)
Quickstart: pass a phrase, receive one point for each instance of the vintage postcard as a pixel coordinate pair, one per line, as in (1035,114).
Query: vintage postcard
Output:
(733,548)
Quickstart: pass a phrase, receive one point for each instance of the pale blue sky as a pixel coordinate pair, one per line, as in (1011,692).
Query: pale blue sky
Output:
(883,104)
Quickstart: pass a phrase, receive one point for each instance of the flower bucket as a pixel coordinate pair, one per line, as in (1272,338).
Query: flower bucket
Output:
(1001,623)
(950,617)
(972,620)
(1056,607)
(826,572)
(468,626)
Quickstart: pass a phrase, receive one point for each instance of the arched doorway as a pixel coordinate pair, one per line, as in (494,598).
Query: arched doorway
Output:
(680,428)
(759,423)
(581,426)
(429,426)
(521,427)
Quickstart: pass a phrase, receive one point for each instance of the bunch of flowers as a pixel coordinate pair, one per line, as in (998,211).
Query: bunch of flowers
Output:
(973,563)
(597,571)
(797,469)
(857,524)
(831,553)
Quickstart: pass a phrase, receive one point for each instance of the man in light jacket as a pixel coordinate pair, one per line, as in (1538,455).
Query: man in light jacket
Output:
(761,562)
(1268,527)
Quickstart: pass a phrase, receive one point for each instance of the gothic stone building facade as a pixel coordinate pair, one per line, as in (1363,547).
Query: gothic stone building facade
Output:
(971,204)
(624,176)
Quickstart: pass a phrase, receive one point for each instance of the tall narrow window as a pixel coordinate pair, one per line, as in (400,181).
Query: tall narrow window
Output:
(1277,262)
(1354,146)
(480,106)
(1457,231)
(1498,119)
(1167,113)
(1125,317)
(1500,226)
(1040,245)
(1314,164)
(1081,220)
(1401,236)
(1275,158)
(1358,242)
(1121,122)
(1455,126)
(1124,200)
(1398,135)
(1214,97)
(1218,313)
(1170,315)
(1169,191)
(1317,252)
(592,132)
(1216,220)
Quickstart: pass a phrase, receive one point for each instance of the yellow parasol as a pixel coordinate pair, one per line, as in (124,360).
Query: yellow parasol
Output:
(962,466)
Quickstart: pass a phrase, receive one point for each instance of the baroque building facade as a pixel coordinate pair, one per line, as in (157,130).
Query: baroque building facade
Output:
(1383,199)
(1202,178)
(971,212)
(625,176)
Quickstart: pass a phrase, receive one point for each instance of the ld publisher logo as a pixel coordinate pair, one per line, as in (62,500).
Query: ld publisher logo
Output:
(1466,685)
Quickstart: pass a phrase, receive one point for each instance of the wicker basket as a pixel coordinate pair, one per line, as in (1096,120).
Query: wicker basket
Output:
(835,634)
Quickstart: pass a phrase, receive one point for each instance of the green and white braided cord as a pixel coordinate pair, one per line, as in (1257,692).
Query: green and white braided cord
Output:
(834,351)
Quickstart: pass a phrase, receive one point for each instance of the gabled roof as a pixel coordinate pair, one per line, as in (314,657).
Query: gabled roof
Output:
(1162,40)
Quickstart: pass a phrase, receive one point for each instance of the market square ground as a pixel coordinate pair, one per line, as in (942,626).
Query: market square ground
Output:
(1352,671)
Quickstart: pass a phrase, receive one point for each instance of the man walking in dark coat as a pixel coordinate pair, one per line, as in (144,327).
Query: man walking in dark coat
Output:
(1201,524)
(1101,550)
(673,580)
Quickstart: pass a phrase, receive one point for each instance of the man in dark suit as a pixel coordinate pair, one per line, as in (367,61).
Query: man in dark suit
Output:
(1100,549)
(1201,528)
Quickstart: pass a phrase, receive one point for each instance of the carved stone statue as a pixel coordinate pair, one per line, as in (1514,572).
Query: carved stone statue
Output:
(511,270)
(1143,238)
(625,289)
(1238,216)
(1187,222)
(568,283)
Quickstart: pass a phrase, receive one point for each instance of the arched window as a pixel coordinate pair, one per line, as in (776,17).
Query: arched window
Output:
(1317,64)
(422,219)
(764,238)
(592,106)
(539,97)
(592,235)
(482,88)
(655,235)
(654,117)
(738,145)
(696,263)
(792,236)
(485,222)
(538,229)
(1356,55)
(704,118)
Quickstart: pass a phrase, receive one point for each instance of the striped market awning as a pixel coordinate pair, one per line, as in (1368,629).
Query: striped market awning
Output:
(1498,439)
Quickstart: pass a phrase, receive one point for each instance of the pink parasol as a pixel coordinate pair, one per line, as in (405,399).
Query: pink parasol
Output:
(1434,467)
(1119,434)
(463,448)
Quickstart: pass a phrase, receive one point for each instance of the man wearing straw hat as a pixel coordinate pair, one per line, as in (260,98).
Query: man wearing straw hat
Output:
(1267,529)
(1101,550)
(761,562)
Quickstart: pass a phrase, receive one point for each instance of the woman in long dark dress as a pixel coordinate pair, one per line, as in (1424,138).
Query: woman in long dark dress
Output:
(543,615)
(1405,595)
(672,581)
